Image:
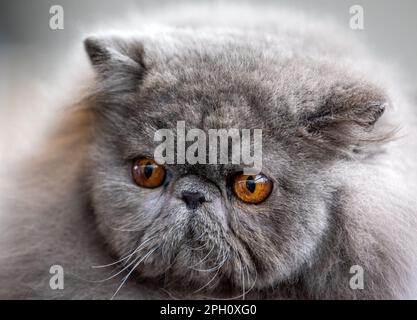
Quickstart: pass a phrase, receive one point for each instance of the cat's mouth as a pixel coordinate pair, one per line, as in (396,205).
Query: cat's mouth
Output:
(192,251)
(203,262)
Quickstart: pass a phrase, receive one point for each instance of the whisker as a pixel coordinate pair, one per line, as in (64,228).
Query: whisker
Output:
(208,283)
(247,291)
(208,254)
(130,272)
(200,247)
(216,267)
(127,257)
(116,274)
(126,230)
(125,267)
(243,279)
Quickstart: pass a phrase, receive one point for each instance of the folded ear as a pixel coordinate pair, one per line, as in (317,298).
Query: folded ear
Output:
(347,120)
(116,59)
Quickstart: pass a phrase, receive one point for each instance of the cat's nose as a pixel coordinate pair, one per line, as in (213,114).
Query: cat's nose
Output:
(192,199)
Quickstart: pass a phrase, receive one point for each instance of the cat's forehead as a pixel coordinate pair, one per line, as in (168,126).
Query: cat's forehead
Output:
(202,110)
(235,83)
(232,86)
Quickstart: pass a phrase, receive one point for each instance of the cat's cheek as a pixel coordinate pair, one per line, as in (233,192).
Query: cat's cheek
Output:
(152,202)
(220,213)
(124,216)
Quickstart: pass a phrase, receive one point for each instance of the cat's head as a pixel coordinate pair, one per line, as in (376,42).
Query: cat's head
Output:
(198,225)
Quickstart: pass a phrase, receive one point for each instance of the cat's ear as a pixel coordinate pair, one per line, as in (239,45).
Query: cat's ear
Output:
(115,58)
(349,118)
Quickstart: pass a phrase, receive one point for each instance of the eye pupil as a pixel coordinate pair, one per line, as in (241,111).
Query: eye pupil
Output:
(147,173)
(252,188)
(147,170)
(250,184)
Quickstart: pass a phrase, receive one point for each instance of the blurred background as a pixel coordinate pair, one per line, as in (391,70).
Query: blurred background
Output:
(25,37)
(30,50)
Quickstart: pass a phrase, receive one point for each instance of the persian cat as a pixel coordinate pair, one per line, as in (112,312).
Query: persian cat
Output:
(336,198)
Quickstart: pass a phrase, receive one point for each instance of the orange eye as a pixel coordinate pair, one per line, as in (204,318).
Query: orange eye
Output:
(147,173)
(252,188)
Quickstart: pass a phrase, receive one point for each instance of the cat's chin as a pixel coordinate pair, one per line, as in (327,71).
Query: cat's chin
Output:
(226,283)
(201,270)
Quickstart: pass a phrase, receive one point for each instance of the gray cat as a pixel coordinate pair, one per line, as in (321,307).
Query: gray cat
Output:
(337,163)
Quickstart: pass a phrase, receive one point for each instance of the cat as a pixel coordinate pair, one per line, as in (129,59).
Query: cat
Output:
(338,156)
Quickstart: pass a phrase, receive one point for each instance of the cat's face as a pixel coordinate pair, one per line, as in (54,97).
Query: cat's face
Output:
(309,118)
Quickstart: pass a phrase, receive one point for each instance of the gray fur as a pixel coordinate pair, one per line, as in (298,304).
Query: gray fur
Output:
(343,189)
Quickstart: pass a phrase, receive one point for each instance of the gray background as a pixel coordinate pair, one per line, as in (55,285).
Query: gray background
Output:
(27,41)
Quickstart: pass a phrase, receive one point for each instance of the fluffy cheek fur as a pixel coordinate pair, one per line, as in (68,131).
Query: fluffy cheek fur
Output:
(281,238)
(224,243)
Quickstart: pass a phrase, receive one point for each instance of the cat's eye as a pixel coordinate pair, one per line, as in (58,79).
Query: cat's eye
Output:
(252,188)
(147,173)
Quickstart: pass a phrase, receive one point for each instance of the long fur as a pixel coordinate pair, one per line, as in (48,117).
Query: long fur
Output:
(344,168)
